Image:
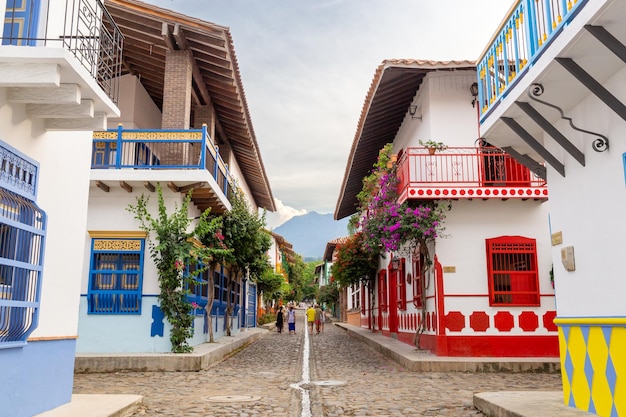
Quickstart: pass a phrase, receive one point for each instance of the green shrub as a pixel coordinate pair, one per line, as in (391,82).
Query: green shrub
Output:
(267,318)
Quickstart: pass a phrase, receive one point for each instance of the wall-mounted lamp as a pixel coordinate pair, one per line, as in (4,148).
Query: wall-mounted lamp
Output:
(395,263)
(474,91)
(413,112)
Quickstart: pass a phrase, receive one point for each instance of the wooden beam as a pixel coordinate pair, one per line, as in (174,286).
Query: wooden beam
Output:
(149,186)
(167,37)
(193,186)
(103,186)
(126,186)
(173,187)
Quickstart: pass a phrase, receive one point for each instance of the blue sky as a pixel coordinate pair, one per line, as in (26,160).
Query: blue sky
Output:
(306,66)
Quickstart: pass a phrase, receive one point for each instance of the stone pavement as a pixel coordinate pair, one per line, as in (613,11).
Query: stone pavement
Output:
(348,378)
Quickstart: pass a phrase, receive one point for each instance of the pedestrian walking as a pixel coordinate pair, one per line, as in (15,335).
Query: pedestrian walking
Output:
(291,319)
(310,317)
(318,318)
(280,320)
(323,319)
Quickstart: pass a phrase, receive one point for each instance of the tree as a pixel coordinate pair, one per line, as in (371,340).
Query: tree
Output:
(173,251)
(244,234)
(271,284)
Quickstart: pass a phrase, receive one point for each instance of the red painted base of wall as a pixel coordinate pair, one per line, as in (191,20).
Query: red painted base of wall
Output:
(487,346)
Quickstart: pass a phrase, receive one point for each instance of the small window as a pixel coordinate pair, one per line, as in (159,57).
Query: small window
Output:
(198,289)
(115,276)
(512,270)
(418,279)
(401,284)
(382,290)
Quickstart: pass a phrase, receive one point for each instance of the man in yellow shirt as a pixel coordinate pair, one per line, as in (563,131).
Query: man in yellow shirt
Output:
(310,317)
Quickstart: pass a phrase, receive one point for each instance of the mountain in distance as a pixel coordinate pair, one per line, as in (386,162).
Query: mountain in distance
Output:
(310,232)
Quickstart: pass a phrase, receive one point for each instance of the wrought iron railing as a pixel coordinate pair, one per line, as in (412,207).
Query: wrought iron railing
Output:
(464,167)
(529,28)
(161,149)
(87,31)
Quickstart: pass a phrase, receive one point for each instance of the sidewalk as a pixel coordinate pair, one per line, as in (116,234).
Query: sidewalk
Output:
(203,356)
(492,404)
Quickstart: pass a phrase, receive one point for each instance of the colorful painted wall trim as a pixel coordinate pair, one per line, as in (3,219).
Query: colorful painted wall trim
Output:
(593,363)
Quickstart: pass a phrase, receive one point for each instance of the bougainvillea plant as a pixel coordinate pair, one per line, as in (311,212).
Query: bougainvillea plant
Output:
(388,226)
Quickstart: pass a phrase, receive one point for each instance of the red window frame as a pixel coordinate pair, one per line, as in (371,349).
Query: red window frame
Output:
(512,271)
(401,287)
(382,290)
(418,277)
(363,289)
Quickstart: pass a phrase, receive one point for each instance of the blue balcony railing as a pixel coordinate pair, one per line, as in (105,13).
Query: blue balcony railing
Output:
(88,32)
(530,26)
(161,149)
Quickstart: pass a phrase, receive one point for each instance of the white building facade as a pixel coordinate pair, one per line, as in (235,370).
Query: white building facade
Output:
(51,97)
(488,291)
(562,103)
(176,131)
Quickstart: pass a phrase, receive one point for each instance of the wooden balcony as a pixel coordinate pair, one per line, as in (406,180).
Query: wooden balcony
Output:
(466,173)
(183,160)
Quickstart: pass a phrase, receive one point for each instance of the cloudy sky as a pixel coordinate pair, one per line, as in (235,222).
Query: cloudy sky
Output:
(306,66)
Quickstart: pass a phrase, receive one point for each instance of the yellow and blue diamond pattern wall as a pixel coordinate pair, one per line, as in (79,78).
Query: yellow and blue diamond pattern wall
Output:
(593,364)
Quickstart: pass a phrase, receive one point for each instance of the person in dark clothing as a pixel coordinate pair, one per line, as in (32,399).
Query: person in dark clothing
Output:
(280,320)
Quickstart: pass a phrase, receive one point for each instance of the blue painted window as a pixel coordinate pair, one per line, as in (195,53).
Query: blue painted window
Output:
(116,274)
(199,289)
(22,237)
(21,22)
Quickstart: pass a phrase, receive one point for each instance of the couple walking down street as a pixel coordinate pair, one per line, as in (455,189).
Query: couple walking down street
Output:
(289,316)
(315,318)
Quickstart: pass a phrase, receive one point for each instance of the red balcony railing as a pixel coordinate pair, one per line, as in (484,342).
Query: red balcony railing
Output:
(484,172)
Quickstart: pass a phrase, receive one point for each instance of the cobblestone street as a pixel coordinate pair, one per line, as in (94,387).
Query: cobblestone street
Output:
(348,378)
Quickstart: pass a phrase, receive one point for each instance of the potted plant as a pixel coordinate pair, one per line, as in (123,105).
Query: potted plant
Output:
(433,146)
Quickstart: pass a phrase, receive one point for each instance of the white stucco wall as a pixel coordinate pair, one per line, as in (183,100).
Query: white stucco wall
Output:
(138,111)
(444,102)
(587,206)
(64,159)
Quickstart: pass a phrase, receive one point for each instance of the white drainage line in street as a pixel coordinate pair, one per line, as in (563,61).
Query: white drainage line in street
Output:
(306,399)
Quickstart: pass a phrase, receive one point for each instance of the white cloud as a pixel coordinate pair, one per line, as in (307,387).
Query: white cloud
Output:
(282,214)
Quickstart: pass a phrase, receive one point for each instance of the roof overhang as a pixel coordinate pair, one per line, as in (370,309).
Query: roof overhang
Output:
(392,90)
(149,32)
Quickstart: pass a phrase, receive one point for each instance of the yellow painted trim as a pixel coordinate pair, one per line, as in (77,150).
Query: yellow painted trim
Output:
(110,234)
(195,242)
(46,338)
(593,321)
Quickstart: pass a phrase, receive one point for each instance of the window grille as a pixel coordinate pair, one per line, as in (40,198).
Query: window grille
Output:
(401,284)
(382,290)
(116,274)
(418,280)
(22,238)
(512,269)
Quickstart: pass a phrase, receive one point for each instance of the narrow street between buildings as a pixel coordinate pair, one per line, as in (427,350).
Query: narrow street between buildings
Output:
(343,377)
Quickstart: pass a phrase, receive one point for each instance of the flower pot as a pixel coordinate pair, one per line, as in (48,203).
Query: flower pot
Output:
(432,151)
